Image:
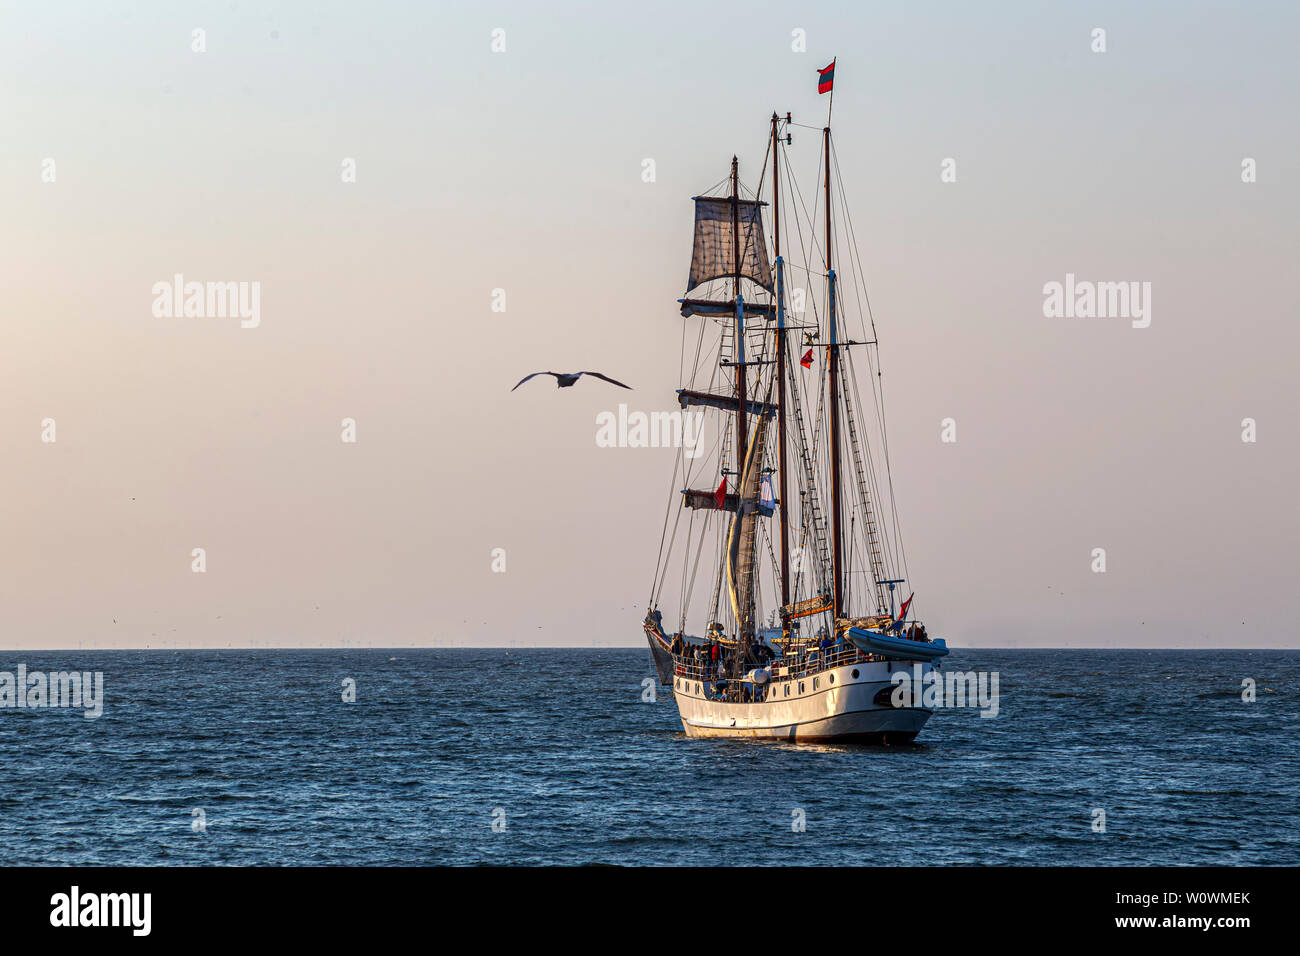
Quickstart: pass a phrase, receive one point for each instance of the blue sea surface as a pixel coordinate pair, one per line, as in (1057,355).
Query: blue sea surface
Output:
(560,746)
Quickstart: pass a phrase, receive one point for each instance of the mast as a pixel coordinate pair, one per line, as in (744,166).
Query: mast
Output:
(780,376)
(742,438)
(742,444)
(837,571)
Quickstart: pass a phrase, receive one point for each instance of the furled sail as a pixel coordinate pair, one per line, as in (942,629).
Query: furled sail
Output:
(728,307)
(813,605)
(708,501)
(689,396)
(714,254)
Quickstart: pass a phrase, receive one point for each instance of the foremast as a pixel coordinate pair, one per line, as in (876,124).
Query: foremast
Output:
(729,245)
(740,566)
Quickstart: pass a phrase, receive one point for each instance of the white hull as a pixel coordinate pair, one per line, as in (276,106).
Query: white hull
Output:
(835,704)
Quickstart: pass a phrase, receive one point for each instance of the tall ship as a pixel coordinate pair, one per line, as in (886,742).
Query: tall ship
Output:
(788,519)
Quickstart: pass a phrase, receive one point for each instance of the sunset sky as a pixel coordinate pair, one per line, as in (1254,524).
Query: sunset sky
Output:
(521,170)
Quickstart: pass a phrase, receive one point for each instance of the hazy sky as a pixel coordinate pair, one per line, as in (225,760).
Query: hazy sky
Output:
(521,170)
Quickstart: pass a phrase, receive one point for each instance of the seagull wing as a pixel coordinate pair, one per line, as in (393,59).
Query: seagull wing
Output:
(534,375)
(606,378)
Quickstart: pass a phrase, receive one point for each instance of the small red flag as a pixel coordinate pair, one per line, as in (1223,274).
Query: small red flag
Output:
(720,496)
(806,361)
(826,78)
(902,611)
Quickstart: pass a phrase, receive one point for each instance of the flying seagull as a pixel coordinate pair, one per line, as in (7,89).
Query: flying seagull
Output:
(567,379)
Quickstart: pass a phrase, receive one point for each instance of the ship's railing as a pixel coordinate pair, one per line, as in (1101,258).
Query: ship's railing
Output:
(809,662)
(815,660)
(692,669)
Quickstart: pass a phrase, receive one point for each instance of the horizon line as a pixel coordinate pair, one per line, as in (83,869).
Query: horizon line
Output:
(587,647)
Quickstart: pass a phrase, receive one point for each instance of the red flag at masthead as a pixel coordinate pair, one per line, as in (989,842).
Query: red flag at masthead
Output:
(826,78)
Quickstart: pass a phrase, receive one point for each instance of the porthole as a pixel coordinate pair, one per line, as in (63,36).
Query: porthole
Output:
(855,672)
(885,697)
(832,678)
(787,690)
(817,682)
(801,687)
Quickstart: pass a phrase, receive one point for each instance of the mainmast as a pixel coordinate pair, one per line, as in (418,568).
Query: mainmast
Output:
(837,572)
(780,376)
